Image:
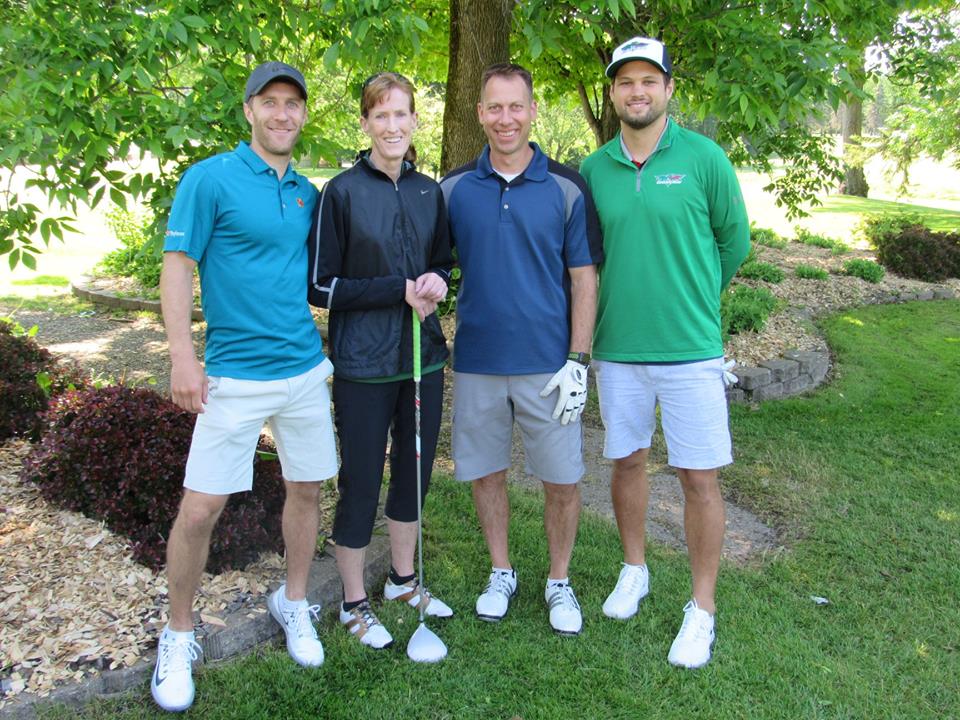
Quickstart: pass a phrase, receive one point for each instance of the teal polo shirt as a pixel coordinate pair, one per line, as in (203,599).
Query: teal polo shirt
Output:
(247,230)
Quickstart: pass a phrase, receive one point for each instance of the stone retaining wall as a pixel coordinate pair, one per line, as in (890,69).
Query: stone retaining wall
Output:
(798,371)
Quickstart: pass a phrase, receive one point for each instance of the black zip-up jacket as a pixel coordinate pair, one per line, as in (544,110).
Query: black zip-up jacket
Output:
(369,236)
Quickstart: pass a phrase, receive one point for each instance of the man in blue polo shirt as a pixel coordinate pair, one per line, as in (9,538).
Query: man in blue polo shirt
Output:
(242,217)
(528,243)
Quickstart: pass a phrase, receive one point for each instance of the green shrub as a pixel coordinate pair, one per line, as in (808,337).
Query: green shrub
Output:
(761,271)
(839,248)
(915,251)
(745,308)
(29,377)
(767,237)
(809,272)
(806,237)
(141,256)
(873,228)
(117,454)
(865,269)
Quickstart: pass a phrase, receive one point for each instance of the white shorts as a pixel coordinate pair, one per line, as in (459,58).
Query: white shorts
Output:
(225,437)
(693,409)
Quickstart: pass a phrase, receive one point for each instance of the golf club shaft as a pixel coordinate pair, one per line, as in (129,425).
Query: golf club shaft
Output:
(416,402)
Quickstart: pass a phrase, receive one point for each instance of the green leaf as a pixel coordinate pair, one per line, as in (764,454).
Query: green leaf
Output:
(255,39)
(536,47)
(193,21)
(179,31)
(98,196)
(14,258)
(45,230)
(29,260)
(119,199)
(330,56)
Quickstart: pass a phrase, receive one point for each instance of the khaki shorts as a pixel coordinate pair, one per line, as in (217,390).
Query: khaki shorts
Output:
(484,410)
(693,411)
(225,437)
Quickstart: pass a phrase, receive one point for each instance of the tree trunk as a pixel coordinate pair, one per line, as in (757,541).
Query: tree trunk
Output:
(855,182)
(605,123)
(479,36)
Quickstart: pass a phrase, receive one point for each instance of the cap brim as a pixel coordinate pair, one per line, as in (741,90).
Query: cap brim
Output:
(287,78)
(614,66)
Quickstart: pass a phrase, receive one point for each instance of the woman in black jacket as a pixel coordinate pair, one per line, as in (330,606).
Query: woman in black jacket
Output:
(380,246)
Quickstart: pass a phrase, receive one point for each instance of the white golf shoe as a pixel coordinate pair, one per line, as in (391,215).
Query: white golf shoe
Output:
(565,615)
(409,593)
(691,648)
(494,601)
(172,682)
(366,627)
(302,642)
(632,587)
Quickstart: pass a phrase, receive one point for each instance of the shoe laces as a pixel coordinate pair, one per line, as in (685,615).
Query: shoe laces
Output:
(694,625)
(366,615)
(630,580)
(562,595)
(299,622)
(499,583)
(176,656)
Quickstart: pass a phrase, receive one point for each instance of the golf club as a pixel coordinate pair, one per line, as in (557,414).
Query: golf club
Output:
(424,645)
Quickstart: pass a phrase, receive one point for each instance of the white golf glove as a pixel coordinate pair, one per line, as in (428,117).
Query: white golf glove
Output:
(571,380)
(729,379)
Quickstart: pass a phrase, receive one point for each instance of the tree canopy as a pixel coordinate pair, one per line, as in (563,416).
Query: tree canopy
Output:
(113,100)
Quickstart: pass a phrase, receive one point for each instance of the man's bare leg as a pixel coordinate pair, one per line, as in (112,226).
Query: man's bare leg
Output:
(629,490)
(704,518)
(187,551)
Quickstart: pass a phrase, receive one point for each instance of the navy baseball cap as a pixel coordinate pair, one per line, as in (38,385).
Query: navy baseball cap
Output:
(641,48)
(267,72)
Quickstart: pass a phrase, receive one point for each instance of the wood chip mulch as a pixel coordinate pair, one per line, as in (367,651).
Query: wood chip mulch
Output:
(74,603)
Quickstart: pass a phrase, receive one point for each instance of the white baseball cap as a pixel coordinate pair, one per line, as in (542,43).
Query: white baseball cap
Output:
(641,48)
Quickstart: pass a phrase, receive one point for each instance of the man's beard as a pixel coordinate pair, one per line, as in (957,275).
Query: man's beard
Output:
(639,123)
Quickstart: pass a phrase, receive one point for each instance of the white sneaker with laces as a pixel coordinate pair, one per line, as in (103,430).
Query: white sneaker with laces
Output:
(366,627)
(302,642)
(565,615)
(172,682)
(632,587)
(691,648)
(494,601)
(410,593)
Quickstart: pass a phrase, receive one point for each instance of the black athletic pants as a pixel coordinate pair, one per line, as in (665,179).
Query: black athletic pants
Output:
(364,413)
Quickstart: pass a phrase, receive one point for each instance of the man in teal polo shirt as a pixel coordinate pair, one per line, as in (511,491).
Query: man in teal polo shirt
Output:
(242,217)
(674,233)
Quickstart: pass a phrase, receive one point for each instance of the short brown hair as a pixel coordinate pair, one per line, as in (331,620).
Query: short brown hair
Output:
(377,87)
(506,70)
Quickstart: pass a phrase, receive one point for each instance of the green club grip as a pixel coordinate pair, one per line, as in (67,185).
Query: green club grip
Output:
(416,345)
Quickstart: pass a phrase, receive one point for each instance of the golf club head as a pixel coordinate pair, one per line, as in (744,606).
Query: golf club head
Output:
(425,646)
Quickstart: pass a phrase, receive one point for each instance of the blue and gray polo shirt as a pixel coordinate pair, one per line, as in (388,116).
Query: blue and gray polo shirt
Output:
(515,242)
(247,230)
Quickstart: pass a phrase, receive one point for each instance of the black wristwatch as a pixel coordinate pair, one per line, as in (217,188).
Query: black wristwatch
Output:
(582,358)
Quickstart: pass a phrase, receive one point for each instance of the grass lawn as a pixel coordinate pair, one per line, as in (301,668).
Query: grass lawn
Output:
(861,478)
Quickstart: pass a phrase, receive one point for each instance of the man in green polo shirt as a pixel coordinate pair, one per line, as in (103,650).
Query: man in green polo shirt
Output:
(242,218)
(675,231)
